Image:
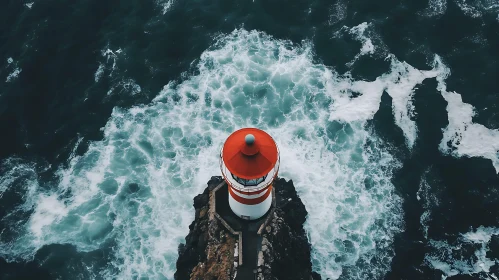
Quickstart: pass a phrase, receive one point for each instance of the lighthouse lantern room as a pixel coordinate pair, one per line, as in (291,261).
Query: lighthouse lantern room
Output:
(249,160)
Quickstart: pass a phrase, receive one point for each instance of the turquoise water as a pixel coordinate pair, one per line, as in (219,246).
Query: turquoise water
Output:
(122,202)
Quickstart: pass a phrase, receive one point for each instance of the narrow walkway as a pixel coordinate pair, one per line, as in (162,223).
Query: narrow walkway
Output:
(251,240)
(251,243)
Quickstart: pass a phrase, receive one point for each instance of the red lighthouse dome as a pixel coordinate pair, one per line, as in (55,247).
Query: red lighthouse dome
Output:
(250,153)
(249,161)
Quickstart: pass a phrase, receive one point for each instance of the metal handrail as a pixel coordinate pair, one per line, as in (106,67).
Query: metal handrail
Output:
(241,187)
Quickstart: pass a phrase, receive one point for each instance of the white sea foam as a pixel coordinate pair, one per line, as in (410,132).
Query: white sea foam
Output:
(435,8)
(15,70)
(428,197)
(14,74)
(23,177)
(49,209)
(477,8)
(100,71)
(367,44)
(470,9)
(166,5)
(466,255)
(293,106)
(14,169)
(462,137)
(454,259)
(170,148)
(120,84)
(399,83)
(125,86)
(111,56)
(338,12)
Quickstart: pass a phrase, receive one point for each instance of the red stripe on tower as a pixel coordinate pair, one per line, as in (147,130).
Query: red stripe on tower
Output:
(250,201)
(250,162)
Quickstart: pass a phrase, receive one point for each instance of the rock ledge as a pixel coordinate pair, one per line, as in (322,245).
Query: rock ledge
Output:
(210,250)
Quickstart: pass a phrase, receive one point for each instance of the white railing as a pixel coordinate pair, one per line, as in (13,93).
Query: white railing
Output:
(268,180)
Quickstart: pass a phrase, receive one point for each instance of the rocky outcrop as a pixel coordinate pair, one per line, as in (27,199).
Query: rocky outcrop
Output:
(285,252)
(208,253)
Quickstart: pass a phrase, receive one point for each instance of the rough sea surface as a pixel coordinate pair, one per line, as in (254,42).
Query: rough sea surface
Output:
(113,113)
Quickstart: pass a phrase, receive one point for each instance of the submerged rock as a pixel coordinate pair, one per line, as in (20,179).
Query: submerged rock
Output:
(210,250)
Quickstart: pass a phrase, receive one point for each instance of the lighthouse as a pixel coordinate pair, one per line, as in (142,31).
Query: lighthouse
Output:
(249,161)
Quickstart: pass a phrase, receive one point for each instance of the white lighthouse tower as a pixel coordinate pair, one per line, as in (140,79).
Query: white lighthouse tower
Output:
(250,162)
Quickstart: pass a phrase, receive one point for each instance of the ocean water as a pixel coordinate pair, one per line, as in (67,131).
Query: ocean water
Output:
(113,114)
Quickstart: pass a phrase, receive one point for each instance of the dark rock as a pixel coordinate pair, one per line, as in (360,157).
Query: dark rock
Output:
(205,238)
(201,200)
(213,183)
(285,247)
(193,251)
(208,252)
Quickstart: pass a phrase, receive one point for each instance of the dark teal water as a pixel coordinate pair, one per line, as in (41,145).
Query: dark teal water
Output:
(68,69)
